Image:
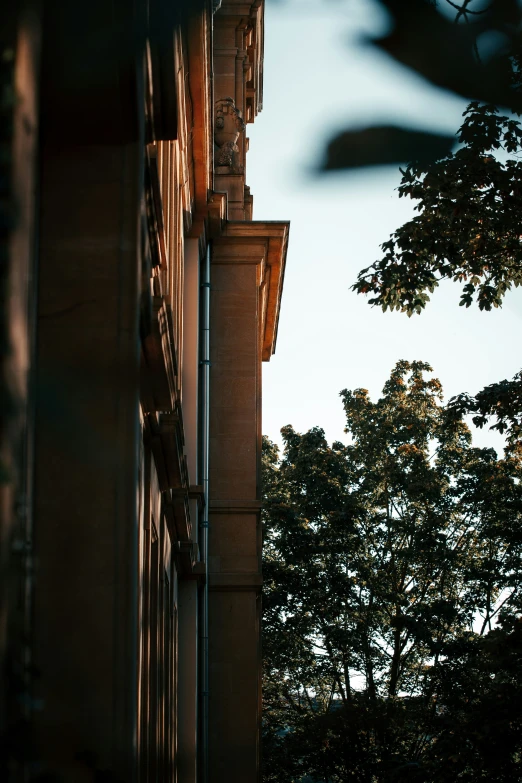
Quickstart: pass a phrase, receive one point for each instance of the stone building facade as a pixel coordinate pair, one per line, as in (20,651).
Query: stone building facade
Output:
(139,302)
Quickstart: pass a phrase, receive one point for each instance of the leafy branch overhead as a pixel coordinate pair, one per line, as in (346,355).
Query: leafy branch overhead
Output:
(467,229)
(446,55)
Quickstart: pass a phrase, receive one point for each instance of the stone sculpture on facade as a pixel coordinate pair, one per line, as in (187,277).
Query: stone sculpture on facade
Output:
(228,125)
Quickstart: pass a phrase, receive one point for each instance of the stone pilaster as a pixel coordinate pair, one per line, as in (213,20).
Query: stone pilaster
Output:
(247,268)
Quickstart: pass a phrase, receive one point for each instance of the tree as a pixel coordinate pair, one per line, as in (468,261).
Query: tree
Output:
(389,563)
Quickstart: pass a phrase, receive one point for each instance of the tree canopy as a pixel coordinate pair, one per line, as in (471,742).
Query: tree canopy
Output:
(393,570)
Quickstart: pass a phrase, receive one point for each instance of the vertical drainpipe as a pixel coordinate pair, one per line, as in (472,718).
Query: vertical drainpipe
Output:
(205,400)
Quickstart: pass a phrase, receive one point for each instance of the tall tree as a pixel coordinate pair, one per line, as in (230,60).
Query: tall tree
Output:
(388,564)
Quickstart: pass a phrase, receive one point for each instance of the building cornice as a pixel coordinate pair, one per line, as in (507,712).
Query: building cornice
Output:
(264,243)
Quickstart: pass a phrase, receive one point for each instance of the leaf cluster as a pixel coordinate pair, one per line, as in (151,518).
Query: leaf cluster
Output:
(501,400)
(467,229)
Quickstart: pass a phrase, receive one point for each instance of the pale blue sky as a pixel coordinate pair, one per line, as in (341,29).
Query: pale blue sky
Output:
(319,78)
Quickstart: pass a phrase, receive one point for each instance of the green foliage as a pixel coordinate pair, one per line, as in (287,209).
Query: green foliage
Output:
(478,731)
(467,229)
(502,400)
(387,563)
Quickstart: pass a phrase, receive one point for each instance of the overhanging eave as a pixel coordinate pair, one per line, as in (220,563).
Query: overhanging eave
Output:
(264,243)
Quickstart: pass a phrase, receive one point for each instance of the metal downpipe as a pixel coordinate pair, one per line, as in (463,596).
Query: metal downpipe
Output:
(205,362)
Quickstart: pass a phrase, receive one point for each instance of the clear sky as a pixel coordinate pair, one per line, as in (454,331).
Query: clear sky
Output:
(319,78)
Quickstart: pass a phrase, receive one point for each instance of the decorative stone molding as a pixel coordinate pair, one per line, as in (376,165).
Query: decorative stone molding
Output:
(228,125)
(263,243)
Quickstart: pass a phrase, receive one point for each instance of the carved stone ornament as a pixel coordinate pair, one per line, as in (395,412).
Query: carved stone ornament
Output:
(227,126)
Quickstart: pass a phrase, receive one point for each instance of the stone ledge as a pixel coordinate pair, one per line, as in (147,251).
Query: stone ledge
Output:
(234,506)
